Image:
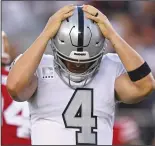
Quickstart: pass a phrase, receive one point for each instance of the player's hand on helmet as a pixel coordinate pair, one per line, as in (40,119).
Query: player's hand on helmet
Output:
(102,21)
(55,20)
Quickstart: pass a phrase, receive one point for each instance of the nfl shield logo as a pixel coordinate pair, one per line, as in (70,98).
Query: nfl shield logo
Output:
(47,72)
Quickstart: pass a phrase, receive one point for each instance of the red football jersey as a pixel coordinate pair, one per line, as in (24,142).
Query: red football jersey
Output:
(125,130)
(15,117)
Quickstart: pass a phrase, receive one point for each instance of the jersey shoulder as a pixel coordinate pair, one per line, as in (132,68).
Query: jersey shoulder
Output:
(112,62)
(46,58)
(112,57)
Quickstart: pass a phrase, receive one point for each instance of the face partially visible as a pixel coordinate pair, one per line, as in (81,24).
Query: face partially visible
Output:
(77,67)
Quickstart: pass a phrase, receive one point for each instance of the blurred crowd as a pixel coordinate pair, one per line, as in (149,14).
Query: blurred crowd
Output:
(22,21)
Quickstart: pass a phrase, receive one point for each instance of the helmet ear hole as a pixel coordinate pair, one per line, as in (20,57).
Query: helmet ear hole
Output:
(97,43)
(61,40)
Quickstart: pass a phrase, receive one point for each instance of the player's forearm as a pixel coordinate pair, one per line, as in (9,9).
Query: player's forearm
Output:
(22,72)
(132,61)
(129,57)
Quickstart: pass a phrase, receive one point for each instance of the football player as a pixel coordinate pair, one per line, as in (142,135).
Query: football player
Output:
(15,116)
(71,93)
(126,132)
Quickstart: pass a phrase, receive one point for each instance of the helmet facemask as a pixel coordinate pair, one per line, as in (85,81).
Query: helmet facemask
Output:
(75,80)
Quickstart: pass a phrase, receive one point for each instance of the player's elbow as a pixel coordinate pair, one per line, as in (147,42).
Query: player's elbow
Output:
(13,90)
(143,91)
(148,86)
(20,91)
(140,94)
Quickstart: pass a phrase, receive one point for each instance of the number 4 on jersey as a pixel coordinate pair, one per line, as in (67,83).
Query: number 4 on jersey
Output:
(79,114)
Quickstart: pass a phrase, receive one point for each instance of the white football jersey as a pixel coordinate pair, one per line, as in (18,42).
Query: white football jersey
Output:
(64,116)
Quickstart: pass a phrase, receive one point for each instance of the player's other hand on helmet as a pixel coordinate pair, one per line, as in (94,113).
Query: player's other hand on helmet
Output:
(102,21)
(55,20)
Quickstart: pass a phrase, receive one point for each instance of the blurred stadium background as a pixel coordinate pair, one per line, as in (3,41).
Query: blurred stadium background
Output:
(23,21)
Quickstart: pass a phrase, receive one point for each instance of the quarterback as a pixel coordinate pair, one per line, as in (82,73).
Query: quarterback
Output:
(71,93)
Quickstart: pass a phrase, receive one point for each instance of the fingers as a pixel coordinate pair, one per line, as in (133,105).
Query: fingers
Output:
(90,9)
(67,9)
(64,12)
(89,16)
(94,14)
(67,15)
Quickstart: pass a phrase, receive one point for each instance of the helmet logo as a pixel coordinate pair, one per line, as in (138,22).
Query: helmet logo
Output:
(80,54)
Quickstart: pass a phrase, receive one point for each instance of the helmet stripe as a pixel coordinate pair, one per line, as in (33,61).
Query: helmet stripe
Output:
(80,29)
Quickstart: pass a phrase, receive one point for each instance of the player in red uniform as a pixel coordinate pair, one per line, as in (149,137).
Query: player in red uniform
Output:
(15,122)
(126,131)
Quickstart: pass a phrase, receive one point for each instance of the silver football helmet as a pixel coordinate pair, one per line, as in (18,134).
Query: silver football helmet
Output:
(78,41)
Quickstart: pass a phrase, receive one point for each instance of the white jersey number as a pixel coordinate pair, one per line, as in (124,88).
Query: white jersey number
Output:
(79,114)
(12,118)
(21,121)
